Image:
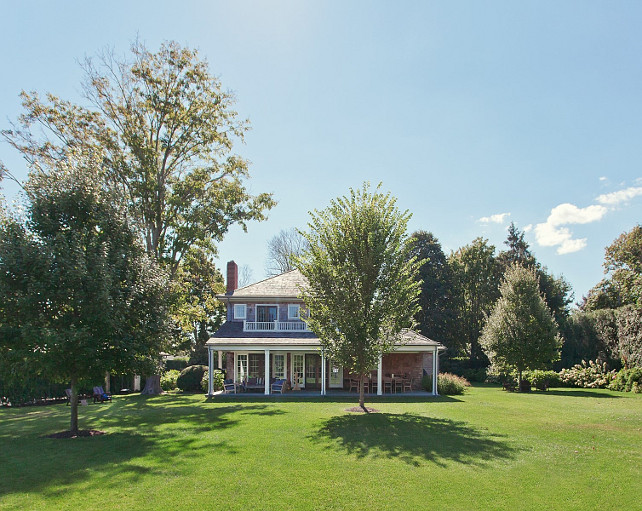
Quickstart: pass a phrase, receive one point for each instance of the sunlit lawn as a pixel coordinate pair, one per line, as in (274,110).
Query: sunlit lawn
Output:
(564,449)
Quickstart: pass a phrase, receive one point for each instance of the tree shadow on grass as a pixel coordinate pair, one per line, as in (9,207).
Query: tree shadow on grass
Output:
(580,393)
(143,437)
(413,439)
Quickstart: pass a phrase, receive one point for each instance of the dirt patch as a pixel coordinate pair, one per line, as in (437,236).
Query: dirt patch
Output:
(358,409)
(81,433)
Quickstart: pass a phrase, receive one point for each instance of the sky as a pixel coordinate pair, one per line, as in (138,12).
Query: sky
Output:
(472,114)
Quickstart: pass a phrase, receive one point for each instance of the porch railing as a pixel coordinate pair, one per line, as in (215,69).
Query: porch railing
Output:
(275,326)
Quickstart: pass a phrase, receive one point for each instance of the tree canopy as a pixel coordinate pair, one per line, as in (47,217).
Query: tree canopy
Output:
(283,249)
(363,289)
(78,294)
(520,332)
(167,131)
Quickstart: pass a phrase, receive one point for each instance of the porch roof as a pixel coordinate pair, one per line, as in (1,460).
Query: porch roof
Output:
(231,337)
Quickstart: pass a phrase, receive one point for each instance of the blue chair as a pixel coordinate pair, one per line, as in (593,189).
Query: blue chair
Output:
(278,386)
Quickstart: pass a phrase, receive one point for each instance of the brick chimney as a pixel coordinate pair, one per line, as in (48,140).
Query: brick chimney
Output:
(232,277)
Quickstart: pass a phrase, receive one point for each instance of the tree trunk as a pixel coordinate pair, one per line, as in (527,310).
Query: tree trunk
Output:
(361,393)
(73,426)
(519,380)
(152,385)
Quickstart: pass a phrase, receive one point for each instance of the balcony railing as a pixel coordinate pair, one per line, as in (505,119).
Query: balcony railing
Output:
(275,326)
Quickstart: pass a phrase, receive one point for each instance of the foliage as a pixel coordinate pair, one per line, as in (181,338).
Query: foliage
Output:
(629,335)
(177,363)
(589,336)
(623,269)
(79,295)
(168,129)
(447,384)
(628,380)
(168,379)
(476,274)
(593,375)
(437,316)
(190,378)
(538,376)
(462,367)
(520,333)
(283,249)
(217,380)
(362,287)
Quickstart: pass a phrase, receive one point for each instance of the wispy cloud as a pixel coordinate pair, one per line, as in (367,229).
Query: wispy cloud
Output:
(553,233)
(615,198)
(494,219)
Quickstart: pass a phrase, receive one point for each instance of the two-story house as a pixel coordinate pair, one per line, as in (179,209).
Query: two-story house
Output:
(264,338)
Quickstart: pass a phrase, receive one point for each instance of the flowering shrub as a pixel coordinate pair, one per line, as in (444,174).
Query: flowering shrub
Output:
(447,384)
(593,375)
(628,380)
(168,380)
(217,380)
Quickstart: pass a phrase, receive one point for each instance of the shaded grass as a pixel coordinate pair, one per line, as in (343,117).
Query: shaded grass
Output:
(488,449)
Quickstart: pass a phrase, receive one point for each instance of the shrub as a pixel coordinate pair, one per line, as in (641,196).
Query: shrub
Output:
(463,367)
(177,363)
(628,380)
(593,375)
(447,384)
(217,380)
(538,377)
(190,378)
(168,380)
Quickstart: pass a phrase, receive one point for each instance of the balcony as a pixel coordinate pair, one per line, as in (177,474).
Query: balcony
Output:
(275,326)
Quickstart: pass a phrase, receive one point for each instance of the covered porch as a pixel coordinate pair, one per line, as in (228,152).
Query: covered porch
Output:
(255,363)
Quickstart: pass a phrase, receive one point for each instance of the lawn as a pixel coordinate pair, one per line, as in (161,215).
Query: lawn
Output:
(563,449)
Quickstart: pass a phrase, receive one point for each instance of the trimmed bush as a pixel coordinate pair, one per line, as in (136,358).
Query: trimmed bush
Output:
(447,384)
(539,377)
(628,380)
(168,380)
(190,378)
(217,380)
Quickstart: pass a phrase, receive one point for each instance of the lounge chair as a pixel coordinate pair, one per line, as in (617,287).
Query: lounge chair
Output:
(229,386)
(100,396)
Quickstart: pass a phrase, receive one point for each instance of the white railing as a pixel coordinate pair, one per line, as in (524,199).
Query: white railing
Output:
(275,326)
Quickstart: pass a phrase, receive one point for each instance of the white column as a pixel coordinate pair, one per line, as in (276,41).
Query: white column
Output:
(267,372)
(220,359)
(434,373)
(323,373)
(210,365)
(380,376)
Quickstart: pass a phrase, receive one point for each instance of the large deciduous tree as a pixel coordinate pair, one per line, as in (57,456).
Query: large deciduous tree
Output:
(438,313)
(520,332)
(78,294)
(167,129)
(363,289)
(283,249)
(477,277)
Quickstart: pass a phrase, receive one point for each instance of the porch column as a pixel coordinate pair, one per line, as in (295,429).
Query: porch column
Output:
(435,368)
(323,373)
(267,372)
(210,366)
(379,376)
(220,359)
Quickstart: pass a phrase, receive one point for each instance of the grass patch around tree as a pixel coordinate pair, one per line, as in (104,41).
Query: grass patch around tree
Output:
(487,449)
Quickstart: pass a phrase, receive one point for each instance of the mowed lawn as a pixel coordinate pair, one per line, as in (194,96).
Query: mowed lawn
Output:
(563,449)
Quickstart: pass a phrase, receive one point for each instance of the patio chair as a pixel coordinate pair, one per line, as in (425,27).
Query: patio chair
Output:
(229,386)
(100,396)
(387,384)
(354,384)
(407,385)
(279,386)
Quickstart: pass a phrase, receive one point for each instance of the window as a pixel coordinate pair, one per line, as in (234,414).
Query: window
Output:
(255,365)
(239,311)
(267,313)
(241,367)
(278,367)
(293,311)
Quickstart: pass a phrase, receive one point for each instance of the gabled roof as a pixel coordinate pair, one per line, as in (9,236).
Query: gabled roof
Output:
(286,285)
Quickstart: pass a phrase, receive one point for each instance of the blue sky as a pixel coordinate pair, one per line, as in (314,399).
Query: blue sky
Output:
(473,114)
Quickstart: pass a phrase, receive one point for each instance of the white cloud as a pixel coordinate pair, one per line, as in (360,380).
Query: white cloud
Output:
(495,219)
(528,228)
(551,233)
(603,178)
(614,198)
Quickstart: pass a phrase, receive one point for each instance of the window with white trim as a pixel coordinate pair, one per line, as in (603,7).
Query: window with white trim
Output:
(278,367)
(239,311)
(293,311)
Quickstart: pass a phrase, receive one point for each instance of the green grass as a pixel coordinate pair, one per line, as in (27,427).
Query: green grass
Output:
(488,449)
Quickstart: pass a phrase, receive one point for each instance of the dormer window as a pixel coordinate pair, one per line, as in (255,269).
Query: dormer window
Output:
(293,311)
(240,311)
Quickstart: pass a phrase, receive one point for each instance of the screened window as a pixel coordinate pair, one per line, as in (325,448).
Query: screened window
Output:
(239,311)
